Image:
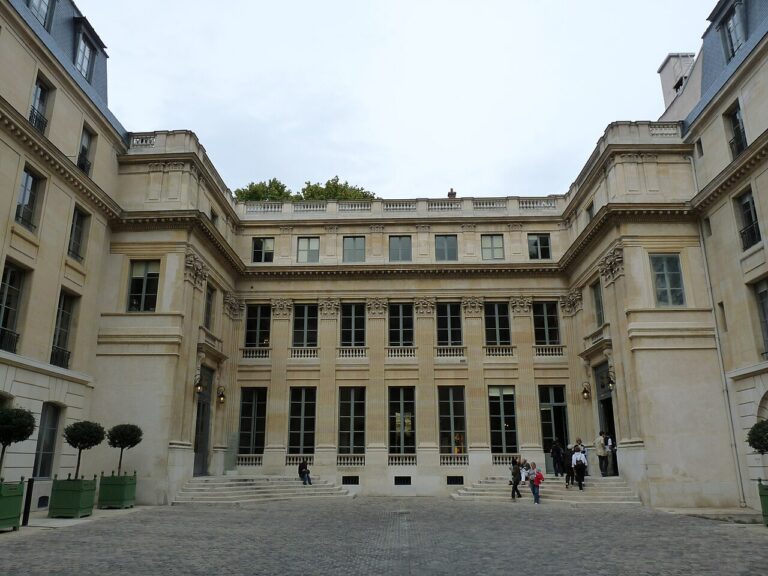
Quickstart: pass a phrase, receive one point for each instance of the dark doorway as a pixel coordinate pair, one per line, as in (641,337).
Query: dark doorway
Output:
(554,420)
(203,422)
(605,414)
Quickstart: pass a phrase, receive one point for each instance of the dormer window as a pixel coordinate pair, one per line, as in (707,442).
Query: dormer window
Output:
(84,57)
(41,10)
(732,29)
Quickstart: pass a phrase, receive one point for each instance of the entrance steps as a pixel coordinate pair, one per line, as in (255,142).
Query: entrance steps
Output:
(242,489)
(612,490)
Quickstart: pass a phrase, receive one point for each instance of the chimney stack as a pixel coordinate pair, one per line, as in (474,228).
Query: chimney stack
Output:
(451,193)
(674,71)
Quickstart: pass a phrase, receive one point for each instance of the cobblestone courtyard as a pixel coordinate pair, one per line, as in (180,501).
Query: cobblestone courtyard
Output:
(389,536)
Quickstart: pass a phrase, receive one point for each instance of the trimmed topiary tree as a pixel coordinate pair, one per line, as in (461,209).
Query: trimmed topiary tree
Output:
(16,425)
(124,436)
(757,437)
(83,436)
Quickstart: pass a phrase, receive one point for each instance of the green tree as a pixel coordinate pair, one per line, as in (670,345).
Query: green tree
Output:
(83,436)
(124,436)
(335,190)
(16,425)
(271,191)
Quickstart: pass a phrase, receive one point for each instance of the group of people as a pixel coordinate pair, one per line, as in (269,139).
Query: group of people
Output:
(522,472)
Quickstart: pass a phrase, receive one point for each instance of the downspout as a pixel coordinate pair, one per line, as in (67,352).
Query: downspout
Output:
(726,393)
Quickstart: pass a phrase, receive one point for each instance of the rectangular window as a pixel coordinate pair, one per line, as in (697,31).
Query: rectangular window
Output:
(210,297)
(597,300)
(732,31)
(761,291)
(263,249)
(352,420)
(84,57)
(353,325)
(402,420)
(10,300)
(735,128)
(60,353)
(301,426)
(84,155)
(354,249)
(492,246)
(668,280)
(554,416)
(497,332)
(750,228)
(40,9)
(449,324)
(400,249)
(546,324)
(501,408)
(452,421)
(29,196)
(401,325)
(142,292)
(308,250)
(47,433)
(446,248)
(77,234)
(538,247)
(253,419)
(305,325)
(37,113)
(257,325)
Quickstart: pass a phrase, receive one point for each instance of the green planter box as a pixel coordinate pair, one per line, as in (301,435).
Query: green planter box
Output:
(762,490)
(117,491)
(11,497)
(72,498)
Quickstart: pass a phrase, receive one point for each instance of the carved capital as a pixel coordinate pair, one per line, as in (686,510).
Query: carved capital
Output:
(331,229)
(611,266)
(175,166)
(472,306)
(286,229)
(376,228)
(328,308)
(424,306)
(156,166)
(195,270)
(521,304)
(282,308)
(377,307)
(233,307)
(571,302)
(514,226)
(467,227)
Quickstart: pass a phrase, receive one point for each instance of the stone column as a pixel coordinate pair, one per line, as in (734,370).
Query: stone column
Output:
(580,421)
(426,392)
(328,338)
(476,392)
(277,395)
(233,339)
(376,392)
(526,392)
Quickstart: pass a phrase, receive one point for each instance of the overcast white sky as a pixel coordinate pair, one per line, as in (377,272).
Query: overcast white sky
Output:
(406,98)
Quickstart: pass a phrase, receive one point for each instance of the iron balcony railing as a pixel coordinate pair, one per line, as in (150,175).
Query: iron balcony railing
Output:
(739,141)
(750,235)
(84,164)
(8,340)
(60,357)
(38,120)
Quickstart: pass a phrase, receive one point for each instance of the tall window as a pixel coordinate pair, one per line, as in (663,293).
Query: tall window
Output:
(142,292)
(305,325)
(735,125)
(538,247)
(39,9)
(668,279)
(84,57)
(492,246)
(301,421)
(60,352)
(253,418)
(352,420)
(501,408)
(449,324)
(750,228)
(210,297)
(733,36)
(400,249)
(353,325)
(257,325)
(10,300)
(401,325)
(84,156)
(402,420)
(554,416)
(446,248)
(47,434)
(546,324)
(354,249)
(761,292)
(263,249)
(26,205)
(308,250)
(497,331)
(597,299)
(76,247)
(452,421)
(37,113)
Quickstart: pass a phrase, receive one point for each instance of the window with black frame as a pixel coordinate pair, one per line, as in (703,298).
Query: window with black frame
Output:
(257,325)
(497,330)
(449,324)
(546,324)
(301,421)
(353,325)
(453,433)
(503,427)
(351,420)
(401,325)
(253,418)
(305,325)
(402,420)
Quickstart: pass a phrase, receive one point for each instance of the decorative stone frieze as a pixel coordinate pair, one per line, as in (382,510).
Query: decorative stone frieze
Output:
(571,303)
(156,166)
(377,307)
(423,228)
(514,226)
(233,306)
(468,227)
(328,308)
(424,306)
(521,304)
(282,308)
(472,306)
(660,129)
(331,229)
(195,270)
(174,166)
(611,266)
(376,228)
(286,229)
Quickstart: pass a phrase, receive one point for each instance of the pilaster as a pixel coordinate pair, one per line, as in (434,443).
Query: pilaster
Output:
(327,333)
(426,393)
(277,398)
(476,393)
(526,393)
(376,393)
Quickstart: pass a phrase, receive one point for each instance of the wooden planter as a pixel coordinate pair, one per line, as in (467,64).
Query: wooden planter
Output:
(11,498)
(72,498)
(117,491)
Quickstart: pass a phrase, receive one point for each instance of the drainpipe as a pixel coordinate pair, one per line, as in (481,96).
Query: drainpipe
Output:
(726,393)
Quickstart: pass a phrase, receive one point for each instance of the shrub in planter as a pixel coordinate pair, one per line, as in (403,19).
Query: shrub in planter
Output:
(120,491)
(73,498)
(757,438)
(16,425)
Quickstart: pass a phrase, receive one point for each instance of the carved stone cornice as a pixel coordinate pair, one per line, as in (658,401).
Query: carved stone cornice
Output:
(282,308)
(572,302)
(233,306)
(472,306)
(424,306)
(328,308)
(377,307)
(195,270)
(611,266)
(521,304)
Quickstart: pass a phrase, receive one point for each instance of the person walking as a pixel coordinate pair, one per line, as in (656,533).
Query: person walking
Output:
(583,450)
(579,463)
(567,460)
(516,477)
(557,458)
(304,473)
(535,478)
(602,453)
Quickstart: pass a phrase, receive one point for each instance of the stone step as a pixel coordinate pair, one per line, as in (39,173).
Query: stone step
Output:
(178,502)
(574,502)
(239,489)
(243,497)
(247,479)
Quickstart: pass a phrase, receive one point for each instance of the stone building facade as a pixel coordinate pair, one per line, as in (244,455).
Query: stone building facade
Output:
(401,346)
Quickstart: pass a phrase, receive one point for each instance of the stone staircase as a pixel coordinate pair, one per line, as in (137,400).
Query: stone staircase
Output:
(242,489)
(612,490)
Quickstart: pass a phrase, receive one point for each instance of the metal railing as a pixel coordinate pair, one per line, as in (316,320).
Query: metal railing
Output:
(303,352)
(60,357)
(255,352)
(750,235)
(401,351)
(499,351)
(8,340)
(454,459)
(739,141)
(250,459)
(450,351)
(38,120)
(84,164)
(350,460)
(549,351)
(352,352)
(402,460)
(296,459)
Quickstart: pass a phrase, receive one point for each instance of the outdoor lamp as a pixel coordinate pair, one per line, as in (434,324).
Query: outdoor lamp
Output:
(586,392)
(220,395)
(198,385)
(611,377)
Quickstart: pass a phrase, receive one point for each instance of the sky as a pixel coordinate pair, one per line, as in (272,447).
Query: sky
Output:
(406,98)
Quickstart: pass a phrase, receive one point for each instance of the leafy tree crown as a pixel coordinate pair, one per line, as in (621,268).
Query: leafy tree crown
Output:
(16,425)
(124,436)
(84,435)
(275,191)
(757,437)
